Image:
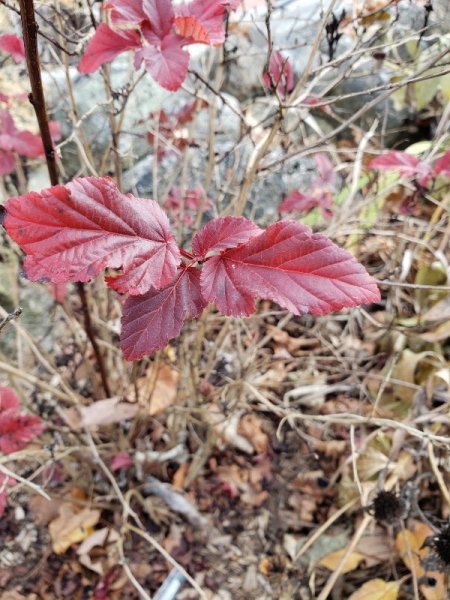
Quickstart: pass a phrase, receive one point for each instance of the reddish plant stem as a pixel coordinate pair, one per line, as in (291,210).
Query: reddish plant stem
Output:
(30,29)
(92,338)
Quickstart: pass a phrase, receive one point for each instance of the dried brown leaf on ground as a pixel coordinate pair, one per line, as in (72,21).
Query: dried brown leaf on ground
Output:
(377,589)
(72,527)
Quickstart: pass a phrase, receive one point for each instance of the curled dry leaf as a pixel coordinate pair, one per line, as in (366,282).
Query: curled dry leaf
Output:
(71,527)
(332,560)
(377,589)
(250,426)
(156,393)
(102,412)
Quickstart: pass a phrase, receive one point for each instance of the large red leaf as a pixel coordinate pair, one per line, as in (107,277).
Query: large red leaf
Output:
(15,430)
(160,14)
(73,232)
(167,63)
(209,15)
(406,164)
(301,271)
(151,320)
(13,44)
(106,45)
(220,234)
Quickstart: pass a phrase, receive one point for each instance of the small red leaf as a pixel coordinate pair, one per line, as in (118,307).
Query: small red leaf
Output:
(166,63)
(280,74)
(106,45)
(209,15)
(325,169)
(151,320)
(220,234)
(288,264)
(13,44)
(8,400)
(442,165)
(297,201)
(121,460)
(16,430)
(406,164)
(73,232)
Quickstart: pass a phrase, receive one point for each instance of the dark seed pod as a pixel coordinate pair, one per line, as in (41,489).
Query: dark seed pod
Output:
(441,545)
(388,507)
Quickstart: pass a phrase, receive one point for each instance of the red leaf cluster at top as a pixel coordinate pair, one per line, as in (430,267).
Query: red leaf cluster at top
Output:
(73,232)
(158,32)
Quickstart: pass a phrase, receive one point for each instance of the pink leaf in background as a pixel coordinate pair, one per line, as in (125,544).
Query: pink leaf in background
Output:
(223,233)
(406,164)
(122,460)
(167,64)
(280,74)
(7,162)
(297,201)
(73,232)
(16,430)
(106,45)
(13,44)
(325,169)
(151,320)
(288,264)
(442,165)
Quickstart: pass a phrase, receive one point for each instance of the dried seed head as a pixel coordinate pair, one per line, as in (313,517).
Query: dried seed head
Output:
(441,545)
(388,507)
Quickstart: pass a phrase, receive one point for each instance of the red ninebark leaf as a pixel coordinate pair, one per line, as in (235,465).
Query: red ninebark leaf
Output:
(288,264)
(73,232)
(16,430)
(13,44)
(305,203)
(406,164)
(209,16)
(280,74)
(220,234)
(106,45)
(151,320)
(167,63)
